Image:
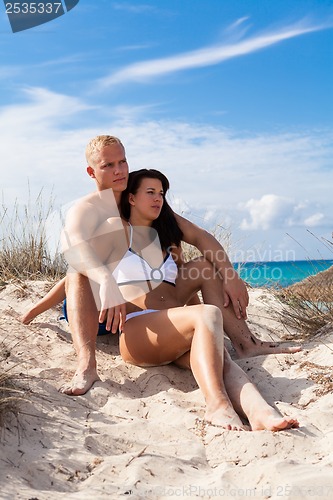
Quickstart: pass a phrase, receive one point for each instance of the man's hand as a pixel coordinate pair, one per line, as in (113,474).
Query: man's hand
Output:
(113,307)
(115,318)
(235,291)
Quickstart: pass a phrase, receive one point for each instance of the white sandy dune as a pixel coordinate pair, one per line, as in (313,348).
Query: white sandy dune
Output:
(138,433)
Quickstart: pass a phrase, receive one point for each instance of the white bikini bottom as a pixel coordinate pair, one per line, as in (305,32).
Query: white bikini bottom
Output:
(139,313)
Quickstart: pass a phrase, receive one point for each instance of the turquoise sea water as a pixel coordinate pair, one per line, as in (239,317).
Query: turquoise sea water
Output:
(280,274)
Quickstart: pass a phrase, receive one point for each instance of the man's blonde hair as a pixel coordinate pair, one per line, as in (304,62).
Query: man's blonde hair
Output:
(97,143)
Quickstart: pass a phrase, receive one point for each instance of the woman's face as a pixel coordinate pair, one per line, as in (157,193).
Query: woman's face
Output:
(147,202)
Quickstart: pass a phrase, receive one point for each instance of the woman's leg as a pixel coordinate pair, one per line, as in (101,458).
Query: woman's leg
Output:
(245,397)
(248,401)
(52,298)
(161,337)
(199,274)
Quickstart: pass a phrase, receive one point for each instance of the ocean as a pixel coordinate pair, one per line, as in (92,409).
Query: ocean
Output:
(279,274)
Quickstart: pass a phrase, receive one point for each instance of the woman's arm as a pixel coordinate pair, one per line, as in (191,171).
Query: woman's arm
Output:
(178,257)
(234,288)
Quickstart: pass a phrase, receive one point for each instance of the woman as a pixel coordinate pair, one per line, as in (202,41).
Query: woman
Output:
(158,329)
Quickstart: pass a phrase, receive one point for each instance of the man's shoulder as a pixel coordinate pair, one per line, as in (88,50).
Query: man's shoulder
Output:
(81,207)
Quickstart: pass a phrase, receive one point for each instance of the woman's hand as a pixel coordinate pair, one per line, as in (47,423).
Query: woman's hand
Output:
(235,291)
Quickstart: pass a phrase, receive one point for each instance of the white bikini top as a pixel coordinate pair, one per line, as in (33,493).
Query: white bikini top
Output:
(133,268)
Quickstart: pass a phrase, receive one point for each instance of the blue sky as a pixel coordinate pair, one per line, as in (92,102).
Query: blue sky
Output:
(233,100)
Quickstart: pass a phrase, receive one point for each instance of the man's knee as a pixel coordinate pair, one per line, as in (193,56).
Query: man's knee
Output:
(76,279)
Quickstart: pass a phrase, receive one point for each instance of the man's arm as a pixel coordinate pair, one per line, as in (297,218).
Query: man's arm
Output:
(87,242)
(234,288)
(80,242)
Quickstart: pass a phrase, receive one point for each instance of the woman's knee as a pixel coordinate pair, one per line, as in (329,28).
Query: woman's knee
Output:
(211,315)
(202,269)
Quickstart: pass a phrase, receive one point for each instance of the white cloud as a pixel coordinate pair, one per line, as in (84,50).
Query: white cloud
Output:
(37,144)
(270,210)
(147,70)
(314,220)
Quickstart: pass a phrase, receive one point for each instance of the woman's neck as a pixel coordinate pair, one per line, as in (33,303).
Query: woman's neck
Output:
(137,220)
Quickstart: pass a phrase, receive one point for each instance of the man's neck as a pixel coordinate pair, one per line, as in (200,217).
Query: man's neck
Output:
(110,199)
(117,197)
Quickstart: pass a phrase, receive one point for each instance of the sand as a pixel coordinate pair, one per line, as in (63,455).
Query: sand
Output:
(138,433)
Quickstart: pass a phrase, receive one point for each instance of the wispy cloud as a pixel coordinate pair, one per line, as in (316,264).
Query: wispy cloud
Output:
(61,61)
(41,107)
(134,8)
(9,71)
(138,46)
(238,22)
(147,70)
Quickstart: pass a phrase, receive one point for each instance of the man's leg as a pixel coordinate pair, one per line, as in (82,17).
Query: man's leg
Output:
(83,321)
(199,274)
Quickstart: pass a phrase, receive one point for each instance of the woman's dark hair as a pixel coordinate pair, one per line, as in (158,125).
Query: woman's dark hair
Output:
(166,225)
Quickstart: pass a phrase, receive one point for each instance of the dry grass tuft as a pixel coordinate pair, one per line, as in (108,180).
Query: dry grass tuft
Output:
(308,305)
(322,375)
(11,395)
(24,255)
(23,243)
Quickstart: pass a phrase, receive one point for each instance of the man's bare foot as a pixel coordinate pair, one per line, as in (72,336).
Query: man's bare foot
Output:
(225,417)
(81,382)
(271,420)
(256,347)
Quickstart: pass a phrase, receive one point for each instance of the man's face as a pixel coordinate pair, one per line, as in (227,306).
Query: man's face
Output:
(110,168)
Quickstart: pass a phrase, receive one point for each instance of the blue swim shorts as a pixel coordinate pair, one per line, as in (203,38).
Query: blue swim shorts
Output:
(101,328)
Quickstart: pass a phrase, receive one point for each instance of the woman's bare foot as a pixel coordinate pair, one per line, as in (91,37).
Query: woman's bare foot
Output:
(226,417)
(271,420)
(81,382)
(256,347)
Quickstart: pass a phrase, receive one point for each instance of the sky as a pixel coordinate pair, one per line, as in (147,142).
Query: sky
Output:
(232,100)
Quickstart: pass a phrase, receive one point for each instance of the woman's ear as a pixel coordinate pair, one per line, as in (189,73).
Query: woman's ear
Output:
(131,199)
(91,172)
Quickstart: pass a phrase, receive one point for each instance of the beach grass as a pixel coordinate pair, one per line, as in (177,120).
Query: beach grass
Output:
(24,255)
(12,393)
(24,251)
(307,306)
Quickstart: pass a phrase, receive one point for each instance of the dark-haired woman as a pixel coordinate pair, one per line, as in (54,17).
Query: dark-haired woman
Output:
(160,330)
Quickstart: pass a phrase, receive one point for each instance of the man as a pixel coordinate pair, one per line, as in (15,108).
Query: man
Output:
(107,165)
